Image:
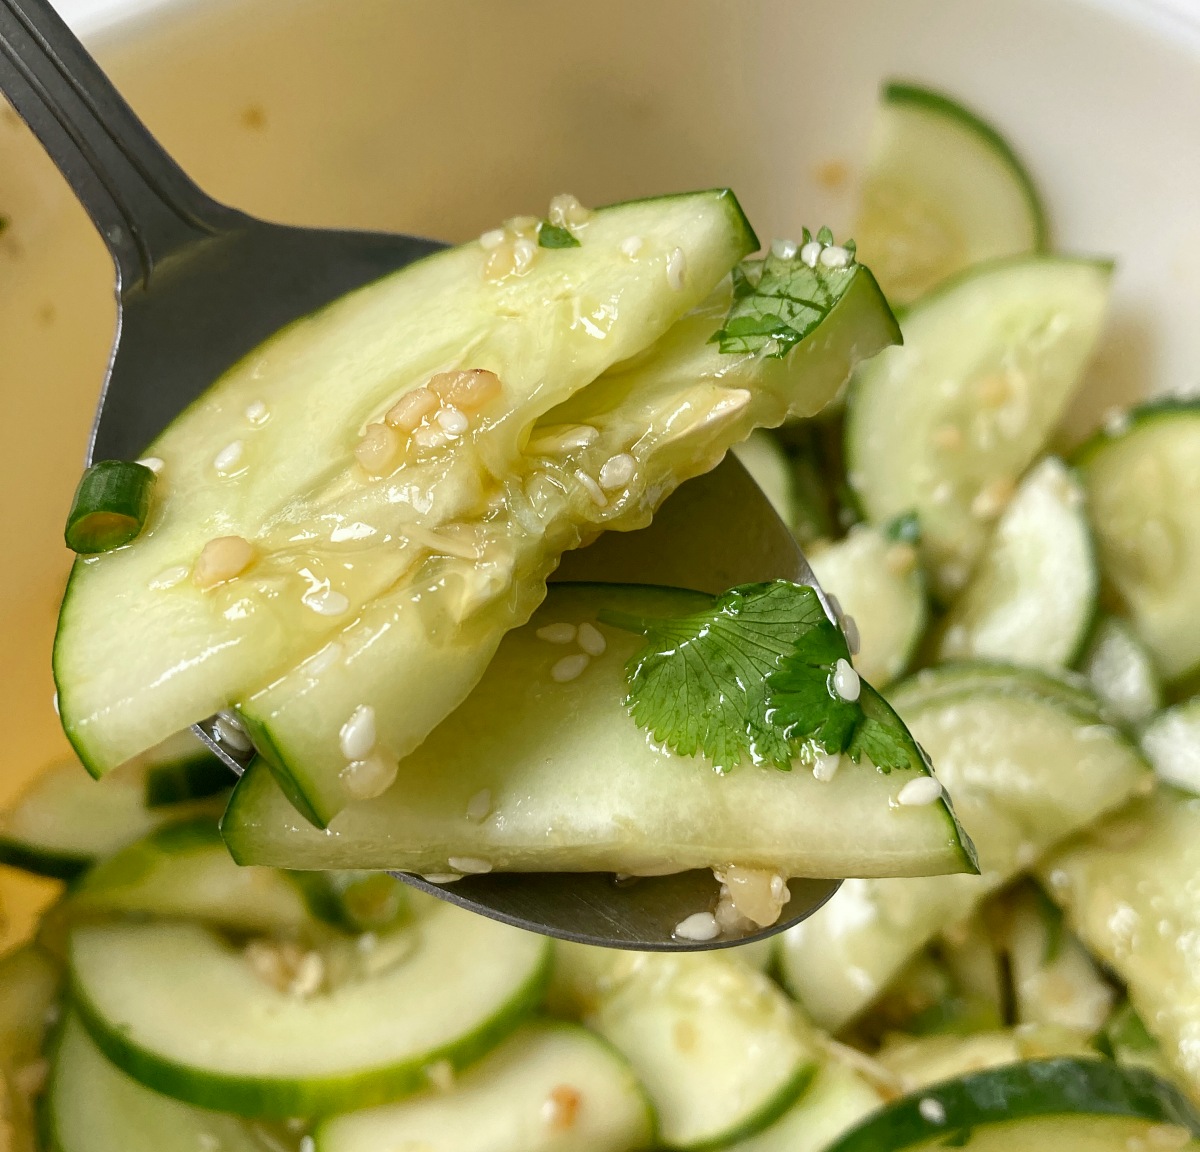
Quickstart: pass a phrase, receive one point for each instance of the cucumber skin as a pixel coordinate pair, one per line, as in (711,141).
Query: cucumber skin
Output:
(1034,1088)
(53,865)
(265,1099)
(788,1095)
(1149,412)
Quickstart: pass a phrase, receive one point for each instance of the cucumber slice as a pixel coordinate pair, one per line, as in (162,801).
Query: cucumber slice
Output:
(525,753)
(1128,890)
(763,457)
(1171,742)
(92,1107)
(547,1088)
(1121,672)
(142,651)
(718,1047)
(179,1009)
(182,768)
(877,581)
(1025,770)
(1069,1104)
(354,901)
(944,426)
(29,989)
(1143,481)
(184,871)
(1032,600)
(943,190)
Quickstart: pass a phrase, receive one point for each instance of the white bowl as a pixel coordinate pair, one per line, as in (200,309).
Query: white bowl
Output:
(443,116)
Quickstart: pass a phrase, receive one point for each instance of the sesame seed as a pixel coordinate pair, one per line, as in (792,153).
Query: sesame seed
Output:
(811,253)
(452,421)
(993,498)
(228,459)
(676,269)
(570,668)
(919,792)
(470,865)
(567,212)
(493,238)
(169,577)
(591,488)
(562,633)
(256,412)
(57,707)
(370,777)
(1116,421)
(378,450)
(526,226)
(846,682)
(480,804)
(327,602)
(932,1110)
(617,471)
(853,636)
(826,766)
(631,246)
(783,249)
(228,730)
(308,1144)
(591,639)
(835,256)
(442,877)
(699,926)
(154,463)
(357,735)
(943,493)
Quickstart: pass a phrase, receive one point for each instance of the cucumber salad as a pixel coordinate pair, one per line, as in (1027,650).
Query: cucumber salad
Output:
(342,552)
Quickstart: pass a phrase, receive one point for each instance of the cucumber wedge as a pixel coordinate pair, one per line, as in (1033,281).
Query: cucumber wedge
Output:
(1025,770)
(1171,742)
(943,190)
(1067,1104)
(93,1107)
(268,455)
(548,1088)
(945,426)
(1143,482)
(182,1011)
(878,582)
(525,753)
(1032,600)
(1128,890)
(1122,672)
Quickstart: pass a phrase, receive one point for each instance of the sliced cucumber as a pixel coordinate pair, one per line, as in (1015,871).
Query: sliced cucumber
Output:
(763,457)
(182,768)
(1171,742)
(943,190)
(1143,481)
(1122,672)
(525,753)
(877,581)
(1026,770)
(143,651)
(1128,890)
(547,1088)
(185,871)
(355,901)
(92,1107)
(185,1013)
(1069,1104)
(1032,599)
(945,425)
(720,1051)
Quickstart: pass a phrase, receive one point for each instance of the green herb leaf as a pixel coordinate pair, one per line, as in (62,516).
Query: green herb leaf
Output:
(779,300)
(552,236)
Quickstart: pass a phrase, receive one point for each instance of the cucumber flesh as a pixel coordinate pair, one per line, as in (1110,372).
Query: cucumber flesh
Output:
(877,581)
(1143,481)
(168,1003)
(1025,771)
(1032,599)
(944,426)
(943,190)
(136,660)
(525,753)
(1121,672)
(1171,742)
(548,1088)
(763,457)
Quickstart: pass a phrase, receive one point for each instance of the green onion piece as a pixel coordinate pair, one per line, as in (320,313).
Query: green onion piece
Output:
(110,506)
(552,236)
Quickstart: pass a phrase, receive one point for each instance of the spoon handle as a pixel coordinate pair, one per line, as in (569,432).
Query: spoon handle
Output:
(143,204)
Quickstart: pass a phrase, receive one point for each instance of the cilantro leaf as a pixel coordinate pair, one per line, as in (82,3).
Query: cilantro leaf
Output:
(552,236)
(779,300)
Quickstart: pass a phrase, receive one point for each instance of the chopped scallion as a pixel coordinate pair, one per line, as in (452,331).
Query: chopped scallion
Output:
(110,506)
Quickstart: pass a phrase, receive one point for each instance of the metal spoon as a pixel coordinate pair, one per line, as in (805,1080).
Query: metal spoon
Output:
(200,284)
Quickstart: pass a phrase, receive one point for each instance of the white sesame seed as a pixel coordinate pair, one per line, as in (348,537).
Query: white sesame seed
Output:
(562,633)
(932,1110)
(853,636)
(783,249)
(631,246)
(1116,421)
(617,471)
(327,602)
(845,681)
(480,804)
(591,639)
(570,668)
(222,558)
(943,493)
(676,269)
(492,239)
(357,736)
(367,942)
(470,865)
(835,256)
(919,792)
(169,577)
(826,766)
(442,877)
(308,1144)
(228,730)
(228,459)
(698,926)
(452,421)
(154,463)
(256,412)
(591,488)
(811,253)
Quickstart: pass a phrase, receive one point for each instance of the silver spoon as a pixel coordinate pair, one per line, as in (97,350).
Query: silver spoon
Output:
(199,285)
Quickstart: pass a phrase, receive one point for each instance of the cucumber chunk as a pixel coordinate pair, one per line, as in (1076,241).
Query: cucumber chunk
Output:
(944,426)
(1143,481)
(1122,672)
(1069,1104)
(548,1088)
(184,1012)
(943,190)
(1171,742)
(93,1107)
(1032,599)
(1128,890)
(878,582)
(1025,770)
(144,651)
(525,753)
(763,457)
